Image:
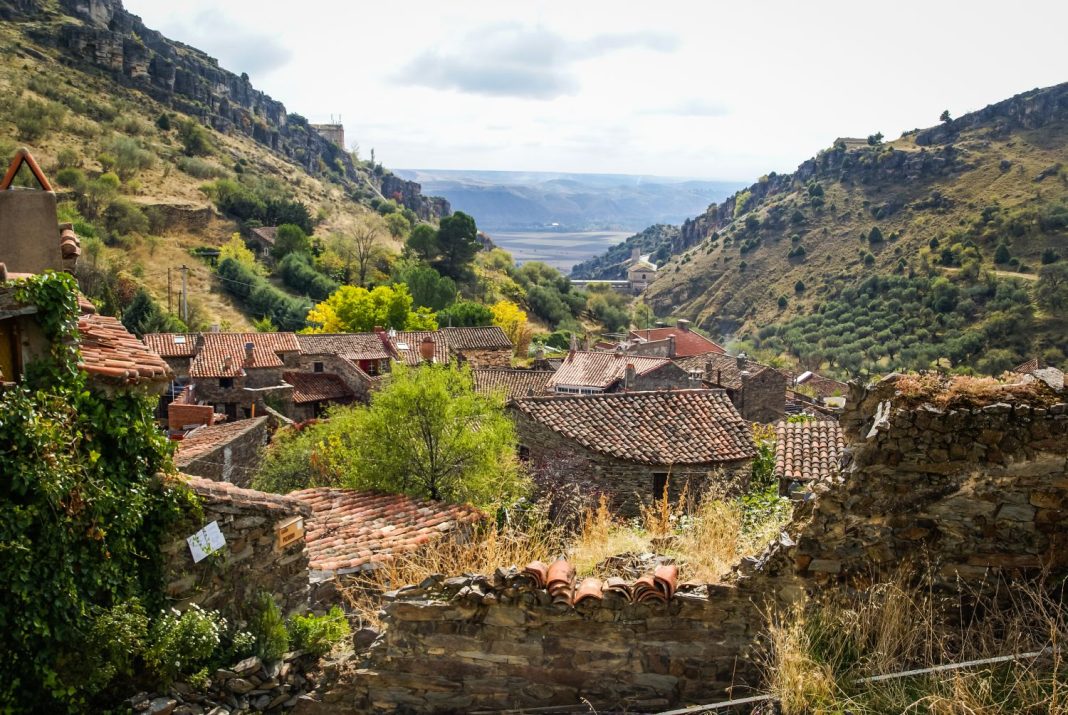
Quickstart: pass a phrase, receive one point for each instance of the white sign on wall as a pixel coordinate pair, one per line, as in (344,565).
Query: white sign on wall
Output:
(206,542)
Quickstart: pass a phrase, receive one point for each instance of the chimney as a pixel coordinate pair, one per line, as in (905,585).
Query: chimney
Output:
(682,324)
(574,344)
(671,346)
(228,364)
(249,354)
(30,235)
(632,375)
(539,352)
(742,360)
(426,349)
(635,254)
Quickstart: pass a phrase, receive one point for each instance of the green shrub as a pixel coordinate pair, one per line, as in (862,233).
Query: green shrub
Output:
(182,643)
(316,635)
(297,273)
(68,158)
(163,122)
(118,637)
(465,314)
(201,168)
(129,156)
(196,141)
(269,629)
(123,217)
(72,179)
(35,118)
(261,298)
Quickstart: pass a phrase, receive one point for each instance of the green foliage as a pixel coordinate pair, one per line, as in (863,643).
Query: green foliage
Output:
(397,224)
(163,122)
(72,179)
(316,635)
(261,298)
(196,141)
(35,118)
(782,302)
(298,273)
(875,139)
(122,217)
(130,156)
(875,235)
(252,199)
(429,288)
(351,309)
(183,643)
(762,502)
(236,249)
(269,629)
(1051,289)
(144,315)
(465,314)
(741,202)
(201,168)
(608,307)
(290,239)
(1002,254)
(799,287)
(458,243)
(84,514)
(423,241)
(119,636)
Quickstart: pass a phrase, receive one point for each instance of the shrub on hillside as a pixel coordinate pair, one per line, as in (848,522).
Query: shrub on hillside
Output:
(123,217)
(36,118)
(201,168)
(297,273)
(261,298)
(130,156)
(316,635)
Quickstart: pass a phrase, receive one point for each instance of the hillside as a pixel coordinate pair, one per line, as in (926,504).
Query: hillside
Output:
(88,81)
(981,201)
(657,241)
(518,201)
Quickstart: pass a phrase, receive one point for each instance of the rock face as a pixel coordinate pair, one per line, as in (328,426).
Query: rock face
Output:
(103,35)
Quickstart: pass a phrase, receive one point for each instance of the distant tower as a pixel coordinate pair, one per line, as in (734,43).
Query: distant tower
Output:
(333,133)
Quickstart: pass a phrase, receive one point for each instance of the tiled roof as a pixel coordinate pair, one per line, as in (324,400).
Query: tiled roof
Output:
(558,579)
(412,339)
(724,368)
(808,451)
(687,342)
(823,386)
(602,369)
(1028,367)
(514,383)
(317,386)
(267,234)
(111,353)
(213,492)
(211,360)
(353,346)
(172,344)
(661,427)
(352,530)
(484,338)
(207,438)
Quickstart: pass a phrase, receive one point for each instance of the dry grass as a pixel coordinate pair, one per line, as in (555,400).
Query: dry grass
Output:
(820,653)
(969,391)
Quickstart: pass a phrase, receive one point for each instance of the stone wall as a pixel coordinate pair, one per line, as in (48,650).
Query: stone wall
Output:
(486,357)
(763,396)
(249,563)
(236,460)
(355,379)
(630,484)
(247,396)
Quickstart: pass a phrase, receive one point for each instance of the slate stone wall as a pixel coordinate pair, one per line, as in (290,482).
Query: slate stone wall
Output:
(237,460)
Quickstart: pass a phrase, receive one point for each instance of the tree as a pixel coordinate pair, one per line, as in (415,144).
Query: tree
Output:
(358,249)
(465,314)
(510,318)
(875,139)
(351,309)
(428,288)
(876,236)
(944,117)
(236,249)
(290,239)
(644,316)
(1002,254)
(1051,289)
(427,433)
(397,224)
(458,243)
(195,138)
(143,315)
(423,241)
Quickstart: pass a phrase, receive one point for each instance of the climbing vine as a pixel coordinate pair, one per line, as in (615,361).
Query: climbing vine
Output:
(84,514)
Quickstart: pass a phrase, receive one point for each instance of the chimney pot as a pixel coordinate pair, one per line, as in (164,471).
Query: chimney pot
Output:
(632,374)
(742,360)
(228,363)
(426,349)
(682,324)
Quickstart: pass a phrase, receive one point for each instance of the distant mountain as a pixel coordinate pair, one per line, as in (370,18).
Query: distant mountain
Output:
(525,201)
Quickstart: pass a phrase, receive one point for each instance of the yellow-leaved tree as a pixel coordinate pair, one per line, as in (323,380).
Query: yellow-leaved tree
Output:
(236,249)
(512,319)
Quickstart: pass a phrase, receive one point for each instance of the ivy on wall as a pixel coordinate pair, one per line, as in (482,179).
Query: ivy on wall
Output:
(84,514)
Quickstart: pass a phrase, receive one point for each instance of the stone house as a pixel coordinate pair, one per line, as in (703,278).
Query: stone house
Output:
(178,349)
(478,347)
(635,447)
(239,373)
(687,342)
(511,382)
(757,391)
(590,372)
(261,240)
(816,388)
(415,347)
(226,452)
(313,392)
(640,274)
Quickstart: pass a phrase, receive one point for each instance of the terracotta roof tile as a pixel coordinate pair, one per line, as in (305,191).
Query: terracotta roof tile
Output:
(267,234)
(352,346)
(407,344)
(213,492)
(352,530)
(208,438)
(808,451)
(266,347)
(661,427)
(601,370)
(172,344)
(559,581)
(111,353)
(822,386)
(481,338)
(687,342)
(1028,367)
(317,386)
(514,383)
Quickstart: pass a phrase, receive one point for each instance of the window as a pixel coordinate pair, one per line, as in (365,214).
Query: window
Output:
(226,382)
(660,480)
(317,367)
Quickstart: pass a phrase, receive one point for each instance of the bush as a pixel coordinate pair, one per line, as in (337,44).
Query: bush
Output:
(201,168)
(130,156)
(181,643)
(269,629)
(465,314)
(290,239)
(316,635)
(196,141)
(163,122)
(429,288)
(35,118)
(68,158)
(123,217)
(297,273)
(261,298)
(72,179)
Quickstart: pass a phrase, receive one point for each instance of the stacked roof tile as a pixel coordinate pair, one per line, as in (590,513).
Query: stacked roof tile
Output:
(601,370)
(661,427)
(687,342)
(513,383)
(225,493)
(172,344)
(351,531)
(208,438)
(808,451)
(110,353)
(558,579)
(351,346)
(317,387)
(823,386)
(211,361)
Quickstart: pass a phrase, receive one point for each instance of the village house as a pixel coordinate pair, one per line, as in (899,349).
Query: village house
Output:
(240,373)
(638,446)
(812,387)
(313,392)
(359,360)
(225,452)
(807,452)
(261,240)
(478,347)
(510,382)
(686,343)
(640,273)
(589,372)
(757,391)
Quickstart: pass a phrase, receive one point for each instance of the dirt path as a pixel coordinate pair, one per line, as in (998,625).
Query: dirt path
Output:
(1002,274)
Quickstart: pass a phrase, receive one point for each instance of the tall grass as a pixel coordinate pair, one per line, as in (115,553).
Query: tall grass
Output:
(820,653)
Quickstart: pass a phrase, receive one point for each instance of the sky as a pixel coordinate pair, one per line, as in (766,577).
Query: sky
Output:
(716,90)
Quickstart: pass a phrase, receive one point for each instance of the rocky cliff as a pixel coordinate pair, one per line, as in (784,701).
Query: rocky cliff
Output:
(102,35)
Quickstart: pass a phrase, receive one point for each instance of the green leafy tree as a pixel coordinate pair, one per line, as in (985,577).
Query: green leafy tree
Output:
(458,243)
(351,309)
(195,138)
(290,239)
(465,314)
(944,117)
(397,224)
(1002,254)
(1051,289)
(429,288)
(875,139)
(143,315)
(423,242)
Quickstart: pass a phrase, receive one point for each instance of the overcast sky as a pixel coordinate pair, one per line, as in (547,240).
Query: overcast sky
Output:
(727,90)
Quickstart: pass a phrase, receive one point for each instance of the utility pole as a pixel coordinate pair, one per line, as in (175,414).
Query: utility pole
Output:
(169,309)
(185,295)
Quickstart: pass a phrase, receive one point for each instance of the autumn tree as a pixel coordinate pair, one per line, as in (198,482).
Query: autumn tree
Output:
(510,318)
(351,309)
